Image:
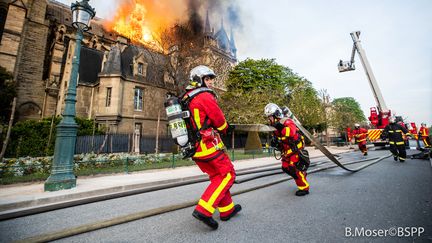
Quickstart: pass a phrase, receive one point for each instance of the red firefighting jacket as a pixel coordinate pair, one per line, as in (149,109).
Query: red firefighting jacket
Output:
(209,120)
(288,134)
(424,131)
(360,134)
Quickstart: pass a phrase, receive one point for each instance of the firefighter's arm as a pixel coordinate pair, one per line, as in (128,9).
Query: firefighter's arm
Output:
(214,113)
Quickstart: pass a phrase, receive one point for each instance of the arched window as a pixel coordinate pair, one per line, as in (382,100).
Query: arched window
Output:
(3,15)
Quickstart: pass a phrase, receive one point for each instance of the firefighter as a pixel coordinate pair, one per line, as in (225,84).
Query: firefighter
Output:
(360,135)
(207,123)
(288,140)
(395,134)
(424,135)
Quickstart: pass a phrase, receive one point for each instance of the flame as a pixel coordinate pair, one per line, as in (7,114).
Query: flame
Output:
(142,21)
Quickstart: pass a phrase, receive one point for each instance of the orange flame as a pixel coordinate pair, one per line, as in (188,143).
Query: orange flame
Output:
(142,21)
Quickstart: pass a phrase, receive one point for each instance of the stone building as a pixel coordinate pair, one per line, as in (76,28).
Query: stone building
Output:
(121,85)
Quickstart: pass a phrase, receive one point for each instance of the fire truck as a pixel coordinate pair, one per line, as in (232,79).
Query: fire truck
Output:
(379,115)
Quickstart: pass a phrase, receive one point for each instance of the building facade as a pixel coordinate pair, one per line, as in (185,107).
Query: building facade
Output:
(121,85)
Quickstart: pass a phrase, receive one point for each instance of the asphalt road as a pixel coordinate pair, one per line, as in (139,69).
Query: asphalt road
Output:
(385,195)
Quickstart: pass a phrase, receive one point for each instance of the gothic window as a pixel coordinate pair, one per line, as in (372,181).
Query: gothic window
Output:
(138,99)
(108,97)
(3,16)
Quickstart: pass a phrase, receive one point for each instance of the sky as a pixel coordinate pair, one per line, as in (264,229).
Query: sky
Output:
(311,36)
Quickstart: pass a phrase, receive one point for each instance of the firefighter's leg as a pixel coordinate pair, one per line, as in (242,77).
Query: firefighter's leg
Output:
(219,186)
(393,150)
(300,179)
(427,142)
(364,148)
(222,175)
(226,207)
(402,152)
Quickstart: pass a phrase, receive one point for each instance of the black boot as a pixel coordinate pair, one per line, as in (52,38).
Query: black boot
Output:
(365,154)
(395,158)
(237,208)
(302,192)
(209,221)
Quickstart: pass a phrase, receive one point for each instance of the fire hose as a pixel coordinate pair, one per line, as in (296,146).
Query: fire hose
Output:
(323,149)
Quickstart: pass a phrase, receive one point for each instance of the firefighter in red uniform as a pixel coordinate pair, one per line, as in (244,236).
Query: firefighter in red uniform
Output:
(208,122)
(360,135)
(290,142)
(424,135)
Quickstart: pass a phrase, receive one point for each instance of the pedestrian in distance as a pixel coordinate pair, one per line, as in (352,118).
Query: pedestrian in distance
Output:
(360,135)
(288,140)
(396,133)
(207,122)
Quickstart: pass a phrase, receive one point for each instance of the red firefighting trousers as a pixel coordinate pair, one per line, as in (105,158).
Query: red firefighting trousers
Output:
(217,195)
(426,141)
(362,146)
(288,165)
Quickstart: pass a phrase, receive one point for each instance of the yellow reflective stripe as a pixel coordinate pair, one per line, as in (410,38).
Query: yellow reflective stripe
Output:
(206,205)
(209,205)
(390,131)
(223,126)
(205,152)
(227,208)
(362,140)
(391,142)
(284,138)
(290,150)
(197,118)
(287,131)
(400,143)
(304,181)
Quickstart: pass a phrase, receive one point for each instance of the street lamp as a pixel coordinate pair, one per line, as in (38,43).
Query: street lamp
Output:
(62,176)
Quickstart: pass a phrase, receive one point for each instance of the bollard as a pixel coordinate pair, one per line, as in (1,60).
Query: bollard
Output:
(173,161)
(126,165)
(233,158)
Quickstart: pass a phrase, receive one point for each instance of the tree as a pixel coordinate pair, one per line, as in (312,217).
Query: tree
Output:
(345,112)
(7,93)
(250,86)
(254,83)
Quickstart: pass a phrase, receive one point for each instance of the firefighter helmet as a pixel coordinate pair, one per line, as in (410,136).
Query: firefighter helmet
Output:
(273,110)
(198,73)
(357,125)
(423,124)
(392,119)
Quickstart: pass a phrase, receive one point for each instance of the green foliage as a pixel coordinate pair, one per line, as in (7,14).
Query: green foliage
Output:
(306,106)
(32,138)
(345,112)
(254,83)
(7,93)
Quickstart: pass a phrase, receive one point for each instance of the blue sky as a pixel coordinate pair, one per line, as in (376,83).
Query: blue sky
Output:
(311,36)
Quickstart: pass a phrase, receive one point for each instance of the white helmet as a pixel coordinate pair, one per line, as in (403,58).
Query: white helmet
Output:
(198,73)
(356,125)
(392,119)
(273,110)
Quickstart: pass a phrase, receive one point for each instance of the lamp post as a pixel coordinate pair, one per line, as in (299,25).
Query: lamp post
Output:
(62,176)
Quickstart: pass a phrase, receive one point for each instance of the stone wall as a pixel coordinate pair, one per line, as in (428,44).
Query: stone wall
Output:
(30,64)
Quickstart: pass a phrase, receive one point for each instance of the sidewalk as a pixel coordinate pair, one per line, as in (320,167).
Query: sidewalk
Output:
(13,197)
